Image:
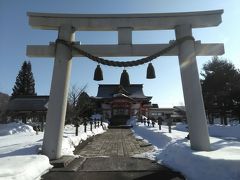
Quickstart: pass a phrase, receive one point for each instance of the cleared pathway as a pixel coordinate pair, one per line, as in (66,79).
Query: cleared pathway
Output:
(115,142)
(109,156)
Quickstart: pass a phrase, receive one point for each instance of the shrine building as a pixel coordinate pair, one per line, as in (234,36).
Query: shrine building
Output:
(118,103)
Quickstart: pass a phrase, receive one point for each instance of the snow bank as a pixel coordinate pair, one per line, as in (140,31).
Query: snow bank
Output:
(13,128)
(96,116)
(23,167)
(222,163)
(224,131)
(70,141)
(173,150)
(19,157)
(217,130)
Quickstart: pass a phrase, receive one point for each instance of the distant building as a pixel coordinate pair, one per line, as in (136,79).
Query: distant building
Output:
(179,113)
(28,107)
(155,112)
(4,98)
(115,102)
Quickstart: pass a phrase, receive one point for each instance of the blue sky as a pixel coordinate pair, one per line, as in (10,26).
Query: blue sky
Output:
(166,89)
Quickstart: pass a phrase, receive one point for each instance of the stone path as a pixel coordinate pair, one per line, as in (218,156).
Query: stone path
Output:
(108,157)
(115,142)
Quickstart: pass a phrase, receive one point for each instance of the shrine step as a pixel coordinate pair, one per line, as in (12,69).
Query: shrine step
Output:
(62,161)
(120,120)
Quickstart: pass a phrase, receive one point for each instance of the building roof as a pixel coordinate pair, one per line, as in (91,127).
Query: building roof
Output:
(134,91)
(180,108)
(165,110)
(28,103)
(155,105)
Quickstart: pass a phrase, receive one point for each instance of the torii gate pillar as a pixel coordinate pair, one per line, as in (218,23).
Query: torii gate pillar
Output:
(52,143)
(196,116)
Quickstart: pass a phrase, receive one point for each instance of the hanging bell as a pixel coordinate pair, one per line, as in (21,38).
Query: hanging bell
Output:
(124,81)
(150,72)
(98,75)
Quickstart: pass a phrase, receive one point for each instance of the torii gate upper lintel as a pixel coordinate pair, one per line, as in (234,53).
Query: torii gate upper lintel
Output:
(67,24)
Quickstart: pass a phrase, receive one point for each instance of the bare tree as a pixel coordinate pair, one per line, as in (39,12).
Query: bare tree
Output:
(73,96)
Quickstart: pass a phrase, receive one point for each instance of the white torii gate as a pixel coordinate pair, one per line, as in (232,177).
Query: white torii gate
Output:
(67,24)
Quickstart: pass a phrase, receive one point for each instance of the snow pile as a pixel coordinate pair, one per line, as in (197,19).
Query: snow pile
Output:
(19,157)
(70,141)
(96,116)
(181,127)
(217,130)
(132,121)
(19,146)
(173,150)
(24,167)
(13,128)
(225,131)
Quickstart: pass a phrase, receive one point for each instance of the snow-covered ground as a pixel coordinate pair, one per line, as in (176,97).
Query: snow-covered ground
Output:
(173,150)
(20,145)
(217,130)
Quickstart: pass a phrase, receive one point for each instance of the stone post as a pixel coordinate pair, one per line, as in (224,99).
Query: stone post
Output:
(76,130)
(196,116)
(85,126)
(95,124)
(98,123)
(91,125)
(52,142)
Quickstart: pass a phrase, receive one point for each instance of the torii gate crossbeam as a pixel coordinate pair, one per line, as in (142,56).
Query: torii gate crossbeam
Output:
(67,24)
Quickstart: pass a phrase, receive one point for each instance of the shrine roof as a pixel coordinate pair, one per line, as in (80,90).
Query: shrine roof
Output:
(134,91)
(122,96)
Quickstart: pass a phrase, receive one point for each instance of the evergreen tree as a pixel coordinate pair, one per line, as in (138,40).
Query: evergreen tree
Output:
(220,86)
(25,84)
(84,105)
